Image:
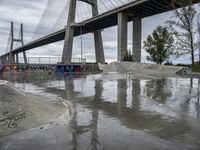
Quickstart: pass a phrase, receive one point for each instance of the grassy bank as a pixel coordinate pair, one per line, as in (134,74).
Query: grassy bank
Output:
(195,68)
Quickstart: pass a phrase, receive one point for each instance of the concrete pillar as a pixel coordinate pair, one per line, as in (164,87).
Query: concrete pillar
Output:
(68,42)
(1,60)
(137,37)
(11,58)
(25,58)
(122,36)
(4,59)
(22,41)
(17,58)
(99,51)
(98,42)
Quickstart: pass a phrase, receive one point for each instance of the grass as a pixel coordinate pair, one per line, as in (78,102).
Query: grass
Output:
(195,68)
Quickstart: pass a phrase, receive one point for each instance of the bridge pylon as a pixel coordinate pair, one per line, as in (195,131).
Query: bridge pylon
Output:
(99,51)
(123,35)
(12,58)
(69,35)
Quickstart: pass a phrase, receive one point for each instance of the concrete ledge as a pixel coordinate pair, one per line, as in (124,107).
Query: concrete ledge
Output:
(3,82)
(141,69)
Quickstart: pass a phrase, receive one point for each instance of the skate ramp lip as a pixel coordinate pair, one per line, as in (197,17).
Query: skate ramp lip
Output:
(3,82)
(142,69)
(21,111)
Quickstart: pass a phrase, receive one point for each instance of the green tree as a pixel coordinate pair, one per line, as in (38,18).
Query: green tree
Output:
(128,56)
(182,26)
(159,45)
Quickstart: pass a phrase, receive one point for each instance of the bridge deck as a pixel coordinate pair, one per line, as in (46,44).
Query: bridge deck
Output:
(138,8)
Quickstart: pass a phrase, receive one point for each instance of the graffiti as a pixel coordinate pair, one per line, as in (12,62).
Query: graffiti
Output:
(11,119)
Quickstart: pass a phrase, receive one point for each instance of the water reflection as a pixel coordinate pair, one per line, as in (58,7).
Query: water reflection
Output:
(121,95)
(136,89)
(160,107)
(156,89)
(79,130)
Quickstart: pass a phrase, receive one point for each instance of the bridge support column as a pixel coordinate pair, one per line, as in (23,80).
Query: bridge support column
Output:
(17,58)
(69,35)
(1,60)
(137,37)
(5,59)
(11,58)
(122,36)
(22,41)
(99,51)
(25,58)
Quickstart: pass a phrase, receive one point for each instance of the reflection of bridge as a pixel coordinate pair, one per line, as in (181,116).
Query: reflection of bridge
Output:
(132,11)
(133,116)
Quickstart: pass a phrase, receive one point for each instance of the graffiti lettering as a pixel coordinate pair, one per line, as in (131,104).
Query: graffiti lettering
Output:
(11,119)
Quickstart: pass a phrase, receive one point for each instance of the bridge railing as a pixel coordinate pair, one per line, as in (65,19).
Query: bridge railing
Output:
(50,60)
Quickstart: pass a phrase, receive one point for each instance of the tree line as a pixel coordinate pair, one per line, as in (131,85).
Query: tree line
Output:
(178,37)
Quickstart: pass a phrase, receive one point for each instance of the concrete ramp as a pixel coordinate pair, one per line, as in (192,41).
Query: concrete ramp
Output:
(21,111)
(141,69)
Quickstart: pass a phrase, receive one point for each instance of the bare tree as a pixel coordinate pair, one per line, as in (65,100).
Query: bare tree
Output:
(182,25)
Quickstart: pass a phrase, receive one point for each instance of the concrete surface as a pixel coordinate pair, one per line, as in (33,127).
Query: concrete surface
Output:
(109,113)
(141,70)
(21,111)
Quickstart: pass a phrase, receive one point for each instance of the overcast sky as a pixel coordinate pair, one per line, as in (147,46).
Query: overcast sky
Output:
(29,13)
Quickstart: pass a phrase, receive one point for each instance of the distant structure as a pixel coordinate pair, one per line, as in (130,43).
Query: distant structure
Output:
(14,58)
(69,34)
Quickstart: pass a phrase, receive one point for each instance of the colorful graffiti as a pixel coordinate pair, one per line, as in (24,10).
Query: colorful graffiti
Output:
(34,69)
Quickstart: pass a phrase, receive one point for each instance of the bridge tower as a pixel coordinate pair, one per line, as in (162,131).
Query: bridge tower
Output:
(12,58)
(68,41)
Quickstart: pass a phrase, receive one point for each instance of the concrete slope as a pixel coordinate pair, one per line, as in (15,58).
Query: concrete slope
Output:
(141,69)
(21,111)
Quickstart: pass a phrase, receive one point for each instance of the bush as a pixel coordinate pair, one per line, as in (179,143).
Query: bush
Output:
(195,68)
(168,64)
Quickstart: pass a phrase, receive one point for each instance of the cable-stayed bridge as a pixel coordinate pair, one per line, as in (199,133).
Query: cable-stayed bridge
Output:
(79,17)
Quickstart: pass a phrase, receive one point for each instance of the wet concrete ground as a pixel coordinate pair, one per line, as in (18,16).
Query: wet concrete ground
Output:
(114,114)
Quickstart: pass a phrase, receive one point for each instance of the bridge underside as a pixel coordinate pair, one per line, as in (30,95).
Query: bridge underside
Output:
(136,9)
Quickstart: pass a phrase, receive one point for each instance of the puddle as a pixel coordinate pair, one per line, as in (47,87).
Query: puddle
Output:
(118,114)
